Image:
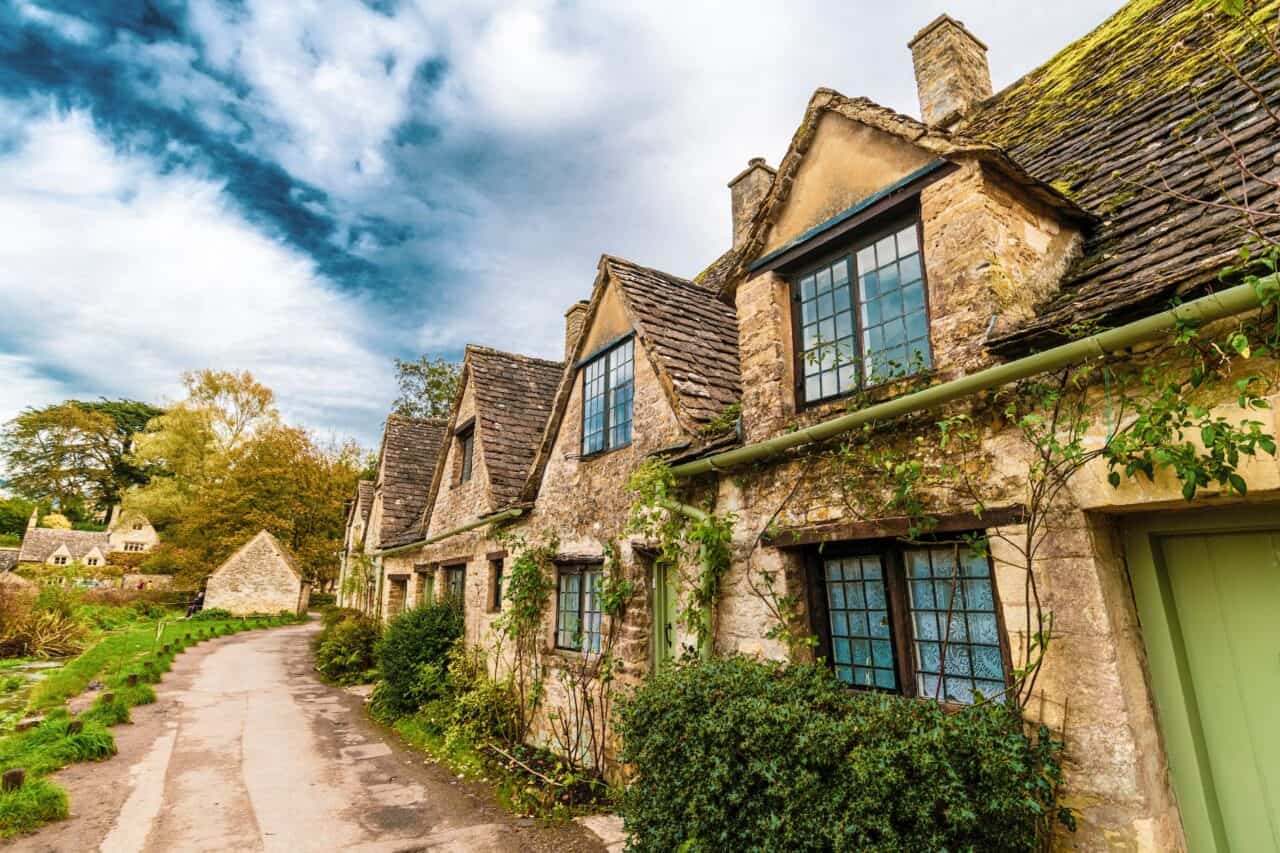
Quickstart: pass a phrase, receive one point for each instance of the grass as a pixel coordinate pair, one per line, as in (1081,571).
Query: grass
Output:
(135,650)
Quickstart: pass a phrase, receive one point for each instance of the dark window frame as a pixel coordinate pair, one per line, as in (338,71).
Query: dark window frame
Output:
(582,570)
(890,222)
(466,440)
(458,570)
(892,555)
(600,357)
(496,567)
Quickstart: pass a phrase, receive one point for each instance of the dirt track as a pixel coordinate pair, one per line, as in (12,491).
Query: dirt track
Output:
(247,750)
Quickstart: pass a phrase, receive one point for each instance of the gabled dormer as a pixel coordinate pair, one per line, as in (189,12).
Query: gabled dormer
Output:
(498,417)
(655,363)
(884,248)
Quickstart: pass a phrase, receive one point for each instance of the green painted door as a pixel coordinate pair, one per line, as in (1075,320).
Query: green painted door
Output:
(1208,593)
(664,614)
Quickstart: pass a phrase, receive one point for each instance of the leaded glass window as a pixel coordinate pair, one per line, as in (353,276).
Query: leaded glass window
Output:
(918,620)
(456,583)
(861,644)
(607,393)
(863,318)
(956,637)
(578,615)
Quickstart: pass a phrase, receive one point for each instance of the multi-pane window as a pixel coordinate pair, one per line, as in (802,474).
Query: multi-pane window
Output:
(455,583)
(59,560)
(607,391)
(134,547)
(466,450)
(862,317)
(92,561)
(578,608)
(915,620)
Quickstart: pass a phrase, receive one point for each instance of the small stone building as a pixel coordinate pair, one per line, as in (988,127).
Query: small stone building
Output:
(261,577)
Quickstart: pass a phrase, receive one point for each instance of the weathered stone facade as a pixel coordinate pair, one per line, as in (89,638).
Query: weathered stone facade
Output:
(1000,245)
(261,577)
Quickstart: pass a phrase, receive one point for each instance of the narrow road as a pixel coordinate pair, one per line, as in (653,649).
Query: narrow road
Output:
(246,750)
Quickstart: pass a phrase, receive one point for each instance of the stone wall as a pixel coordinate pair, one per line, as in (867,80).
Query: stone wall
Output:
(256,579)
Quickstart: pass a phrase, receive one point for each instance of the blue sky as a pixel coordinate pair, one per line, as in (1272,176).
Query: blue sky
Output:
(309,189)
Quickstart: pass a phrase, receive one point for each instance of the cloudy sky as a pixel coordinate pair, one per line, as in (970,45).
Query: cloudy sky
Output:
(308,189)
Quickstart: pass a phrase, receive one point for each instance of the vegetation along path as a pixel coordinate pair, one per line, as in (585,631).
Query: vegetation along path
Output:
(247,750)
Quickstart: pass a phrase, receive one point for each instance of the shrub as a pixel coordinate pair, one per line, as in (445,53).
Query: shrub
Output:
(213,613)
(320,600)
(739,754)
(421,635)
(344,650)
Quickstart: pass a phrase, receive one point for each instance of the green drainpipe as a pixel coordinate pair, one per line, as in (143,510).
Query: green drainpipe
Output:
(1206,309)
(707,645)
(515,512)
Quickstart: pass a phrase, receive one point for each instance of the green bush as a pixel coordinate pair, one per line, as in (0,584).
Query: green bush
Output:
(344,650)
(739,754)
(212,614)
(320,600)
(419,636)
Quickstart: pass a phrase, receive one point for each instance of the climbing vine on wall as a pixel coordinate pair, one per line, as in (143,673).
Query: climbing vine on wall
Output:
(518,629)
(684,536)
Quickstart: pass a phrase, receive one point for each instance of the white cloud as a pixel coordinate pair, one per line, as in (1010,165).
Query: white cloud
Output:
(69,27)
(122,277)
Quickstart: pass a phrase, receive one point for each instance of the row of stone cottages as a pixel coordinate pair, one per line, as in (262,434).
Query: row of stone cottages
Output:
(935,248)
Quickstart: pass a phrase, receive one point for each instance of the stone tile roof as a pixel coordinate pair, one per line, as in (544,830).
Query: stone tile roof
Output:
(364,498)
(690,332)
(38,543)
(1113,117)
(8,559)
(263,537)
(513,399)
(410,448)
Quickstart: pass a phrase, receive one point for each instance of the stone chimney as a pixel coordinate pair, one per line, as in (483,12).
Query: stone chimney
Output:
(574,319)
(747,190)
(951,71)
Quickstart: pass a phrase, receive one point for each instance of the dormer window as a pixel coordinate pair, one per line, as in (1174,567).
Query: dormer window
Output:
(91,561)
(862,316)
(607,391)
(60,560)
(466,453)
(134,547)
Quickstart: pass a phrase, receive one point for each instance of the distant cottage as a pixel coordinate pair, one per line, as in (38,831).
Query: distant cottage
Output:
(127,533)
(261,577)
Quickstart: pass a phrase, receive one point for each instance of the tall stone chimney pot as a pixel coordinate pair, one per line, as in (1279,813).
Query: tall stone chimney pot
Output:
(951,71)
(746,191)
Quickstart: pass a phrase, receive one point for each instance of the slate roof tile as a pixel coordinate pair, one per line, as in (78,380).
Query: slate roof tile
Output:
(410,448)
(38,543)
(1124,120)
(690,331)
(513,399)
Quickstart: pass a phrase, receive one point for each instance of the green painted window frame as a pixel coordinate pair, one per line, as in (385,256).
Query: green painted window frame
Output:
(455,583)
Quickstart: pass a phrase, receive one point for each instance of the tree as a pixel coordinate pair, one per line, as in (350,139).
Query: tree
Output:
(14,514)
(229,467)
(56,521)
(427,387)
(75,452)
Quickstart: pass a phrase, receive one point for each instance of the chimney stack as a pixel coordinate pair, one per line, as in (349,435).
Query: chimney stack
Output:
(746,191)
(951,71)
(574,319)
(34,519)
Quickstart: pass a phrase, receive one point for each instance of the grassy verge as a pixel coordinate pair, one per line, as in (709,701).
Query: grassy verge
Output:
(55,743)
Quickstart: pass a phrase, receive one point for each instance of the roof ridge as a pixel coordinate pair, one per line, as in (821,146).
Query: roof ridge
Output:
(508,354)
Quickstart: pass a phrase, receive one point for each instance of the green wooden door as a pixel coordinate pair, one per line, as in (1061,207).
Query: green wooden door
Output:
(1208,593)
(664,614)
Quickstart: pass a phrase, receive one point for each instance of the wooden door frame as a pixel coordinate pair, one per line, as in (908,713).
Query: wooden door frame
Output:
(1176,707)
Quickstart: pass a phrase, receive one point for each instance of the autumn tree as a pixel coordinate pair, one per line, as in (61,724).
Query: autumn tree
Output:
(427,387)
(75,453)
(229,467)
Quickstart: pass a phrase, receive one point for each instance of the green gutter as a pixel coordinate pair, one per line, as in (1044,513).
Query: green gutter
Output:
(515,512)
(1216,306)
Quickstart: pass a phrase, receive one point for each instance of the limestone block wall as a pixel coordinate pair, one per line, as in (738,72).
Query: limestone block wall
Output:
(256,580)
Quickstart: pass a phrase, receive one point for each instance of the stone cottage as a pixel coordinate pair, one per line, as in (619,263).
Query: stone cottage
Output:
(126,534)
(350,577)
(262,576)
(839,389)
